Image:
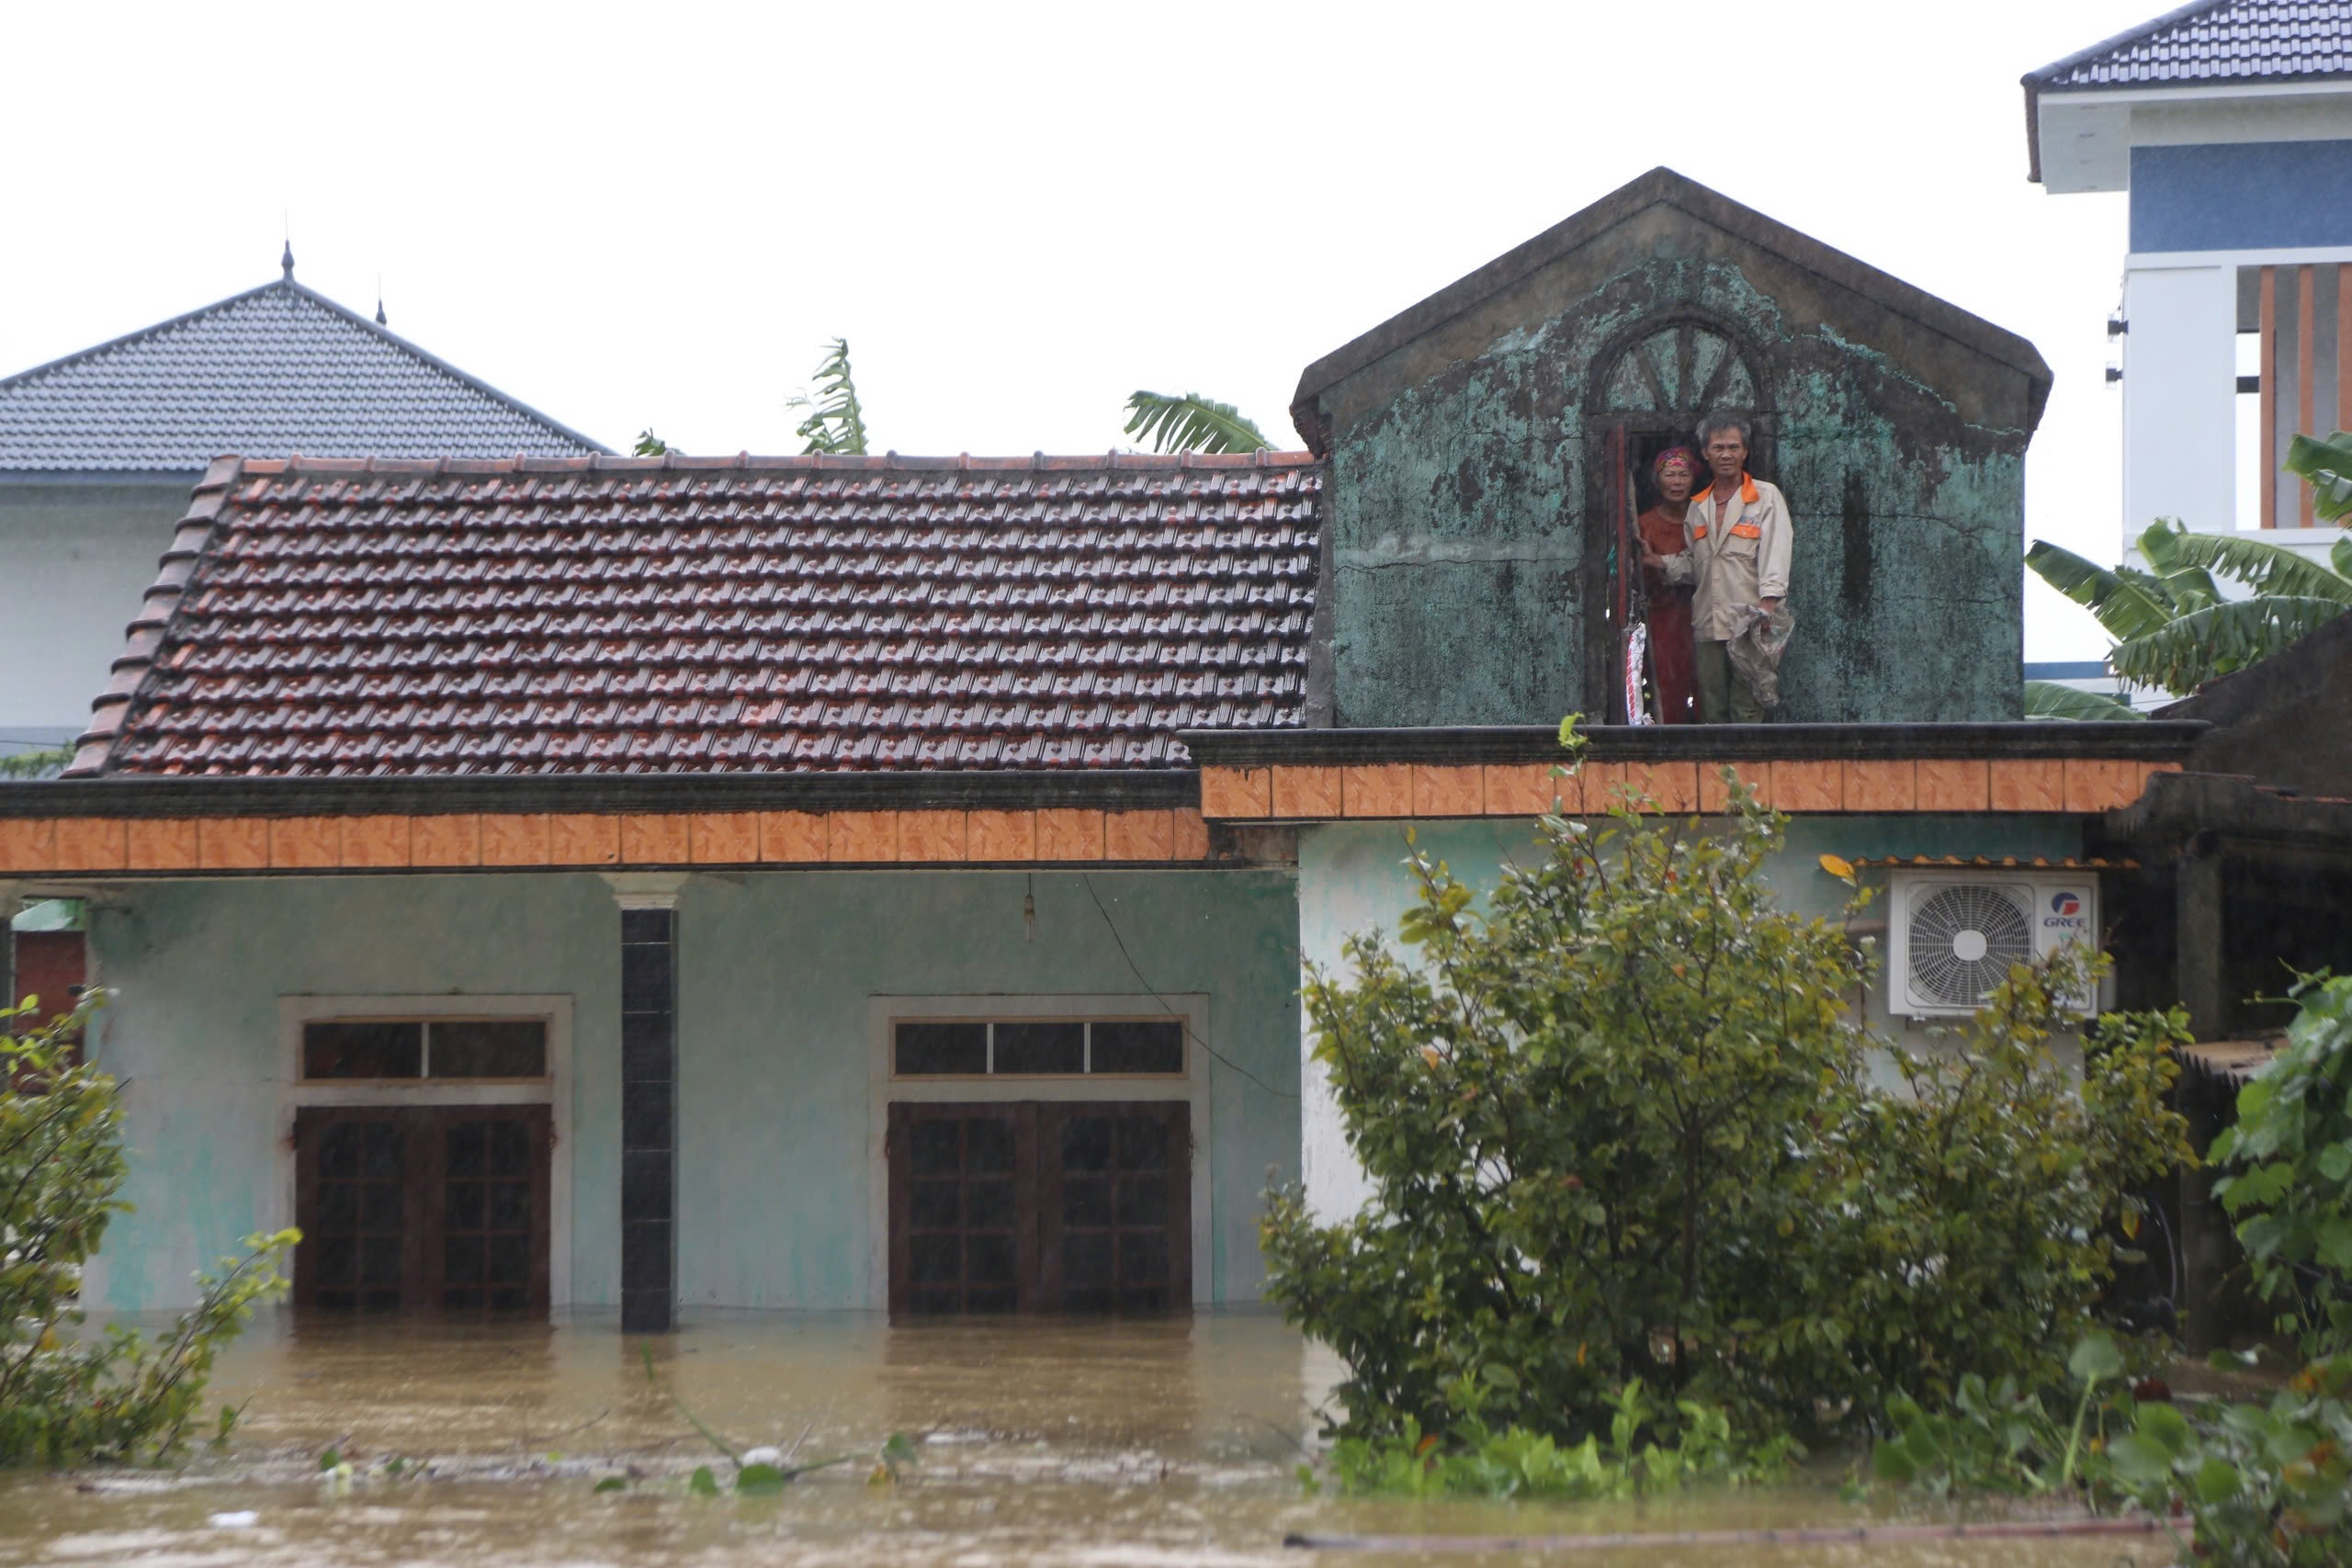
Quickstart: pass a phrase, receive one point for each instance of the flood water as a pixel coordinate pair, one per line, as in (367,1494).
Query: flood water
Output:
(1128,1444)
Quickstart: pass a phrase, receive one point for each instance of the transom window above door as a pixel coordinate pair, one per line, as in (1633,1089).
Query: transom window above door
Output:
(1037,1048)
(411,1048)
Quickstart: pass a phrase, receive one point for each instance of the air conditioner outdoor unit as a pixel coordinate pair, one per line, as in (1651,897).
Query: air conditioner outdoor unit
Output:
(1952,935)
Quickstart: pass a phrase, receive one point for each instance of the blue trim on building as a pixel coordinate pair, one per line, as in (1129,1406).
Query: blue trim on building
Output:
(2242,195)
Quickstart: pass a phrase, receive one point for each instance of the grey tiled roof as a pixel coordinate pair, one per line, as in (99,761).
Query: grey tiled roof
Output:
(272,372)
(2213,43)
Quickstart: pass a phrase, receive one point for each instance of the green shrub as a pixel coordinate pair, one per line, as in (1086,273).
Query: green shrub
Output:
(1624,1127)
(1516,1462)
(2000,1438)
(2290,1170)
(2265,1486)
(65,1398)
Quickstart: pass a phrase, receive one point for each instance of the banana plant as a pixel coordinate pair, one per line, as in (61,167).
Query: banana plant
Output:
(2328,466)
(836,421)
(2174,627)
(2053,699)
(1192,423)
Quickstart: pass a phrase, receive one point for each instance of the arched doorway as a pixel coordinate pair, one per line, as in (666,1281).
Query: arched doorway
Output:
(1649,387)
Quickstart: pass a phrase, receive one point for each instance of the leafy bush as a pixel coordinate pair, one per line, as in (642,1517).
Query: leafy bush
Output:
(66,1399)
(1999,1438)
(2268,1483)
(2265,1486)
(2290,1176)
(1517,1463)
(1624,1127)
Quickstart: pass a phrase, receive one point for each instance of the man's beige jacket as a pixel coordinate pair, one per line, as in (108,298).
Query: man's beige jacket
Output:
(1733,560)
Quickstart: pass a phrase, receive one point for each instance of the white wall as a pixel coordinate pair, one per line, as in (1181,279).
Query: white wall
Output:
(76,562)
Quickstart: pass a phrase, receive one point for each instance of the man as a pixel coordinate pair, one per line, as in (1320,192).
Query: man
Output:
(1737,562)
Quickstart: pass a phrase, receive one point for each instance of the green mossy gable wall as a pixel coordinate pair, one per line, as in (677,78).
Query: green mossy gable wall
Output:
(1464,476)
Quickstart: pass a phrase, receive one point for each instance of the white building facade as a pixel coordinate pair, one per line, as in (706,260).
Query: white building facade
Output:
(2230,123)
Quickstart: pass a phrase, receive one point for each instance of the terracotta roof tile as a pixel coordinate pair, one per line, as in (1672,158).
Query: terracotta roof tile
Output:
(562,615)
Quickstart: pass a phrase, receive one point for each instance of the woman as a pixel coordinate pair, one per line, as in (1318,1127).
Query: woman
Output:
(1676,471)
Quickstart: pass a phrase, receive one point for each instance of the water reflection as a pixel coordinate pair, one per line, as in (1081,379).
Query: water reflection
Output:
(1144,1441)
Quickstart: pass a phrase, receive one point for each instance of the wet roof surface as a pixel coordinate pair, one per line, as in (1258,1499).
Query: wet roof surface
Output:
(2231,40)
(270,373)
(621,615)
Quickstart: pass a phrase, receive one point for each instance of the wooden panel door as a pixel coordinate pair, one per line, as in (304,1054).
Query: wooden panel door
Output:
(962,1207)
(1115,1206)
(440,1209)
(1040,1206)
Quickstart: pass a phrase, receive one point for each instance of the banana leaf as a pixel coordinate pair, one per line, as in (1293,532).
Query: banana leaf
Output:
(2187,585)
(2327,466)
(2127,605)
(2184,655)
(836,420)
(2267,569)
(2049,699)
(1192,423)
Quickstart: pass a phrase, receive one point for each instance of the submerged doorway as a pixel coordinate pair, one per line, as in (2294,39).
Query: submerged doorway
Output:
(1040,1206)
(411,1209)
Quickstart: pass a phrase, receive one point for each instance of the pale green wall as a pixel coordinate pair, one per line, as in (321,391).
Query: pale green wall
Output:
(776,972)
(1353,877)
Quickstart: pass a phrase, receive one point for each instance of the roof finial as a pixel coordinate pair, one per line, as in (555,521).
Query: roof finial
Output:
(380,301)
(287,261)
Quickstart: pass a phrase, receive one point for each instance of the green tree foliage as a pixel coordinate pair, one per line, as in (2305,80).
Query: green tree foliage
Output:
(1625,1125)
(2290,1170)
(2173,627)
(652,445)
(65,1397)
(2268,1483)
(2328,466)
(42,764)
(1192,423)
(835,421)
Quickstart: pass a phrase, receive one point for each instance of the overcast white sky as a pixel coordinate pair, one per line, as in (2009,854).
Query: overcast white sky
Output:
(1017,214)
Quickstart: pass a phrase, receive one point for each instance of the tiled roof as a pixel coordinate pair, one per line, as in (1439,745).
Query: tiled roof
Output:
(717,614)
(272,372)
(2214,41)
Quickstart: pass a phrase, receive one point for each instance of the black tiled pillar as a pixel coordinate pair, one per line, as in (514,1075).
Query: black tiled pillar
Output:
(649,1117)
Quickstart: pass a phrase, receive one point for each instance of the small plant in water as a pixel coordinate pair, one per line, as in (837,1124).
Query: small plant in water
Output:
(1999,1438)
(763,1470)
(1648,1450)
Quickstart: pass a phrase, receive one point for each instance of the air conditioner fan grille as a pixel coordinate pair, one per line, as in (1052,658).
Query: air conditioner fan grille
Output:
(1964,940)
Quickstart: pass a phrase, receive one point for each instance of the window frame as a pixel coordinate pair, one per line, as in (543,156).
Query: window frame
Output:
(553,1089)
(1195,1086)
(1086,1073)
(426,1023)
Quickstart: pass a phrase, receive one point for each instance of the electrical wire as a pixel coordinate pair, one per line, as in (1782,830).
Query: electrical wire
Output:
(1185,1023)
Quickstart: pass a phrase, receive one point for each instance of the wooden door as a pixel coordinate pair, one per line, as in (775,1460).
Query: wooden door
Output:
(1040,1206)
(443,1209)
(1117,1205)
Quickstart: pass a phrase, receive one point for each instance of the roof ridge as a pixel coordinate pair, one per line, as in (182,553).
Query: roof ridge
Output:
(312,317)
(434,361)
(24,377)
(826,462)
(134,667)
(2177,14)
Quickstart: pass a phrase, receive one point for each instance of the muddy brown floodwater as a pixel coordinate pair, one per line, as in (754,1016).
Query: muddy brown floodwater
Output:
(1126,1444)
